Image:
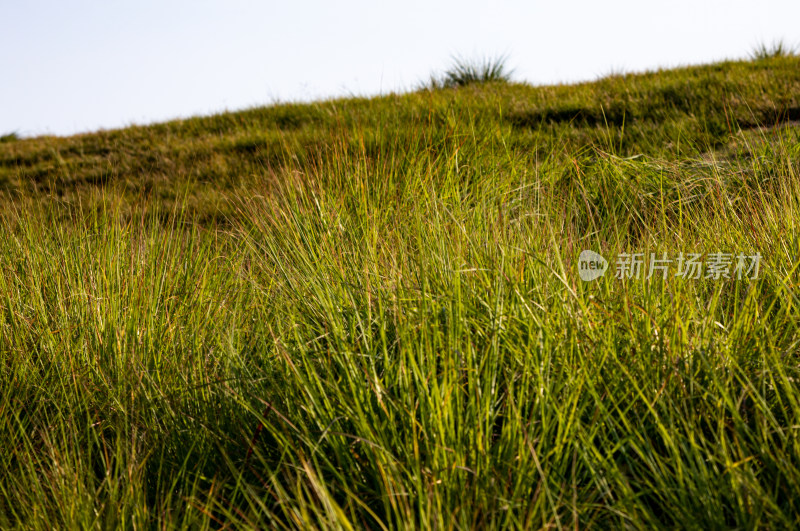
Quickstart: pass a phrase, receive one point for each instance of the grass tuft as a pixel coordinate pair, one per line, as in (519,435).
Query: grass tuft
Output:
(764,51)
(465,72)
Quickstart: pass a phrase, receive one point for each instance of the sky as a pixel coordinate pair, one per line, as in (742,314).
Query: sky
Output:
(77,66)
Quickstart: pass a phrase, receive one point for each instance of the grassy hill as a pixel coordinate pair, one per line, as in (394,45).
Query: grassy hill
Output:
(368,312)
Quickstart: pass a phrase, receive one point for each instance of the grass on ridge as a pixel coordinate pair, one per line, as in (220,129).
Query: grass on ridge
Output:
(367,313)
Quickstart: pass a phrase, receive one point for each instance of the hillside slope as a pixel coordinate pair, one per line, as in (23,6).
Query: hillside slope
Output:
(373,313)
(682,113)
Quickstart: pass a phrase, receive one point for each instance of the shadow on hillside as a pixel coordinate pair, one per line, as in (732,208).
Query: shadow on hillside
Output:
(664,105)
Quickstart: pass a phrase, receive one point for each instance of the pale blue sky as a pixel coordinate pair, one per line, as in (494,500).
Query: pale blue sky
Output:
(73,66)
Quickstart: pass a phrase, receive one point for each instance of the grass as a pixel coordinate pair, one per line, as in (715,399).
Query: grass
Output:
(777,49)
(465,72)
(366,313)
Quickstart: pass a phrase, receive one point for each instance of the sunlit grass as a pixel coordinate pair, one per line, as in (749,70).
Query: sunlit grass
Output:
(380,323)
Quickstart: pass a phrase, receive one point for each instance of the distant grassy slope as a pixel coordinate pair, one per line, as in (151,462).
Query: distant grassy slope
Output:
(684,112)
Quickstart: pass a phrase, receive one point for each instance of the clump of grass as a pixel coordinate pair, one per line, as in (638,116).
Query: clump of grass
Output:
(471,71)
(764,51)
(9,137)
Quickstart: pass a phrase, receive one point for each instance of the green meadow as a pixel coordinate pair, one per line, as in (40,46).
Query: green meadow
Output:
(367,313)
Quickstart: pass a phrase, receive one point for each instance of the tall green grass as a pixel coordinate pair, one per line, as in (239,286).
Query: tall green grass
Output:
(389,331)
